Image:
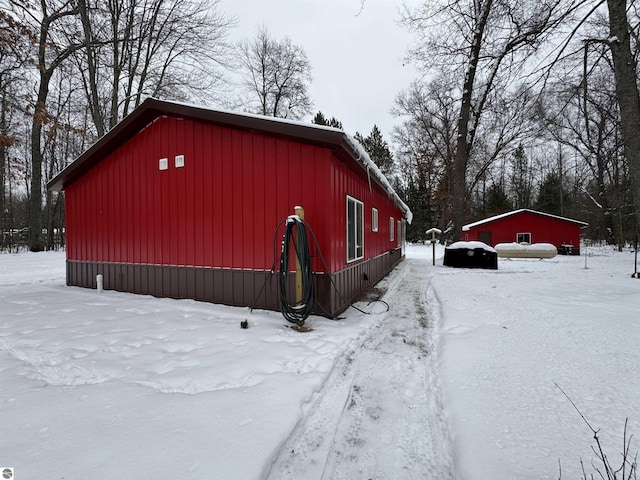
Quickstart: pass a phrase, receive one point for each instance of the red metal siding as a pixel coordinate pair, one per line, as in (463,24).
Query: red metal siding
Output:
(220,209)
(346,182)
(542,229)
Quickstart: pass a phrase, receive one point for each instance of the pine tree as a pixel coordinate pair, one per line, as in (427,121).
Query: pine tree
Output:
(521,180)
(552,198)
(417,199)
(333,122)
(320,119)
(497,201)
(378,150)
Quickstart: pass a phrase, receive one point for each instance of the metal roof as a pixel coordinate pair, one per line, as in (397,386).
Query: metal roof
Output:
(516,212)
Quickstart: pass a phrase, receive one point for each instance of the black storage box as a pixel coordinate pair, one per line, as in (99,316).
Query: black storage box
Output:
(470,255)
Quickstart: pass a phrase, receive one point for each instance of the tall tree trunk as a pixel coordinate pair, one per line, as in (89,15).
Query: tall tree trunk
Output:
(35,198)
(627,92)
(40,115)
(3,160)
(92,87)
(464,141)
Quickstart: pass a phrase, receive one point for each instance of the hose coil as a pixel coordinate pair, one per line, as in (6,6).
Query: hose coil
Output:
(296,312)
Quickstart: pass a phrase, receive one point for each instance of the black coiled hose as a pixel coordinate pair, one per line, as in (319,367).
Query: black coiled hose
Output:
(296,312)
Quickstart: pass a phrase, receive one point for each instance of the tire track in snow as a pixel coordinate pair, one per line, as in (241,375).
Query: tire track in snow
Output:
(379,415)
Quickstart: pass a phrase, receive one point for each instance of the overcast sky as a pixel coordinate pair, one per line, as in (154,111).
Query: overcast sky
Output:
(356,54)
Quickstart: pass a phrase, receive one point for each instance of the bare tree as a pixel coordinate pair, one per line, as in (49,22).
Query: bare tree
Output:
(276,76)
(52,23)
(624,64)
(583,109)
(124,51)
(486,42)
(583,114)
(425,150)
(15,43)
(140,48)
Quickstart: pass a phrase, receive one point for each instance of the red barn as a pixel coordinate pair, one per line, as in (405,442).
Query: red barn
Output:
(527,226)
(182,201)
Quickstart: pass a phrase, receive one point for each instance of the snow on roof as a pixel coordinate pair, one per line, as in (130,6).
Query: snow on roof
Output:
(371,167)
(256,116)
(515,212)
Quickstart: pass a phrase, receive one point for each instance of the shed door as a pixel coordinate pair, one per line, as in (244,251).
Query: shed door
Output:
(485,236)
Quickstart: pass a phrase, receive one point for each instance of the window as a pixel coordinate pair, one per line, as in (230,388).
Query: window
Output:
(399,233)
(392,228)
(355,229)
(374,219)
(523,238)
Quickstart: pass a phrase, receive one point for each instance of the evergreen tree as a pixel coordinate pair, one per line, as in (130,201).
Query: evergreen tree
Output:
(552,198)
(320,119)
(417,199)
(497,200)
(378,150)
(521,180)
(333,122)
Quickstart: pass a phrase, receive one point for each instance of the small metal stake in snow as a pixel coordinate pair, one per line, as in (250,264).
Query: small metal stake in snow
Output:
(586,251)
(433,232)
(635,263)
(100,282)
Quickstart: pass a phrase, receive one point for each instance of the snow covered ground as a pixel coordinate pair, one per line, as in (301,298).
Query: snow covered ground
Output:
(457,380)
(507,337)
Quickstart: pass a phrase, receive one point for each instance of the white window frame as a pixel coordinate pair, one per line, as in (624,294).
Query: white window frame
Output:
(399,233)
(392,229)
(355,230)
(374,219)
(519,234)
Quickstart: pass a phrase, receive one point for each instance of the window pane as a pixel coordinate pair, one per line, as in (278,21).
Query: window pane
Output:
(359,230)
(355,229)
(351,243)
(392,227)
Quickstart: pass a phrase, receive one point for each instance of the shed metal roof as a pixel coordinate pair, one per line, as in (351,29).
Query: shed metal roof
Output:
(344,145)
(516,212)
